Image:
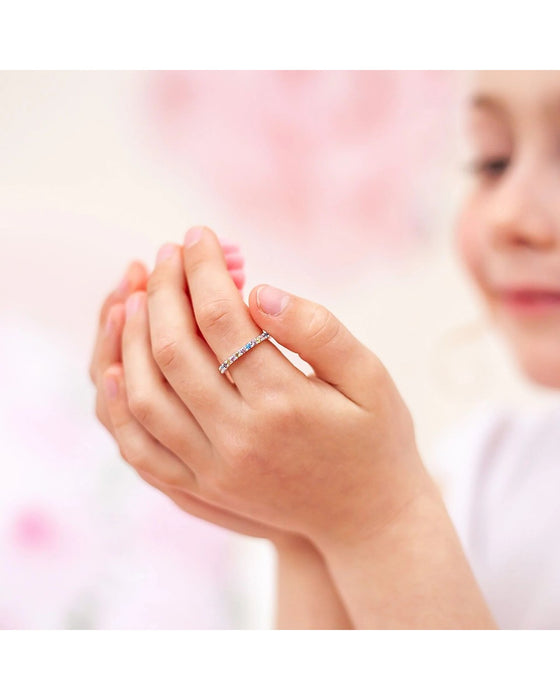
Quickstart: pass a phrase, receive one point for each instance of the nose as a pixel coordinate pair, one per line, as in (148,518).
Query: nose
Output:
(521,212)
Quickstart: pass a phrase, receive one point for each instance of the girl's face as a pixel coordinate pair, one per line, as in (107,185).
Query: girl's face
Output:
(508,232)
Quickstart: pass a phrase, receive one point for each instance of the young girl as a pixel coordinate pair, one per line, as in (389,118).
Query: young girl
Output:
(326,466)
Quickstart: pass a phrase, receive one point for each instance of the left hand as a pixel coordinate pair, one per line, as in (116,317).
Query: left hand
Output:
(331,455)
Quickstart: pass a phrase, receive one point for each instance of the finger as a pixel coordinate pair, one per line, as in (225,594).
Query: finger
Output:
(238,276)
(151,399)
(109,352)
(109,349)
(234,261)
(211,513)
(181,354)
(224,319)
(319,338)
(136,445)
(134,278)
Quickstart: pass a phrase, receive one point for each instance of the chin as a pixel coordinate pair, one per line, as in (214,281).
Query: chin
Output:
(541,368)
(536,351)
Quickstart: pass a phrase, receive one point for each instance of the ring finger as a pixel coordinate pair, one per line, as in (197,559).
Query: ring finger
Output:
(181,352)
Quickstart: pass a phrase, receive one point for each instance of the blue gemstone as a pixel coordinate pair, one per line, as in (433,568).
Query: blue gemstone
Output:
(248,346)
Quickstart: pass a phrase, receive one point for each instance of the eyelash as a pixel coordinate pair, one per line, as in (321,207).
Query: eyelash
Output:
(492,168)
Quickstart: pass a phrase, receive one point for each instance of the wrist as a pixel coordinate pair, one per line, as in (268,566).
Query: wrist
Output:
(408,571)
(392,499)
(421,502)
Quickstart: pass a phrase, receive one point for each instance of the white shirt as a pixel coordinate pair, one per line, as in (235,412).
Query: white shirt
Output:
(499,470)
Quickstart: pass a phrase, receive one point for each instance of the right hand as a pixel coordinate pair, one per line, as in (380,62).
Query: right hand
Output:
(149,453)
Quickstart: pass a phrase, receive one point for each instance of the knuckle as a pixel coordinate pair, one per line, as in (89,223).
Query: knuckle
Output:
(284,416)
(239,448)
(215,313)
(166,352)
(277,411)
(131,451)
(323,327)
(174,479)
(198,394)
(377,370)
(141,407)
(242,454)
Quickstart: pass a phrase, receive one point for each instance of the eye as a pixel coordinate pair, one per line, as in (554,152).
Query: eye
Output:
(489,167)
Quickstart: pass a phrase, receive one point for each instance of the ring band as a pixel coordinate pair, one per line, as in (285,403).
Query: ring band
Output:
(242,350)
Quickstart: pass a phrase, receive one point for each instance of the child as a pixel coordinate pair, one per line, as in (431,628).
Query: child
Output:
(326,466)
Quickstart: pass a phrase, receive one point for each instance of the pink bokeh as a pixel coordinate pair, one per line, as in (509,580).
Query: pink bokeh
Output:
(335,162)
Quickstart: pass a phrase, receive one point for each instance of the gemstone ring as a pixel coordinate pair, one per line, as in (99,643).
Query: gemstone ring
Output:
(242,350)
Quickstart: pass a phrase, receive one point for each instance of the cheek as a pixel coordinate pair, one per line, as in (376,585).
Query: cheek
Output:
(468,238)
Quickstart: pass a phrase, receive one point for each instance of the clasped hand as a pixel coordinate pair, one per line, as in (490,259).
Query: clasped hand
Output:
(330,455)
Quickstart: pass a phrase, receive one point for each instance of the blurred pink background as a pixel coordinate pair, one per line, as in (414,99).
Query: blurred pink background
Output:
(330,181)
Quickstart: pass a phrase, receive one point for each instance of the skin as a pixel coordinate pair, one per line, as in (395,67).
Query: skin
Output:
(230,437)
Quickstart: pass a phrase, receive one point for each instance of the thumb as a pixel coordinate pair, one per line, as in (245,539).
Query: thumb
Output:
(318,337)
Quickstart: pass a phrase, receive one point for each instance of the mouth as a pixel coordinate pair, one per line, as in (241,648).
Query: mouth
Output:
(530,301)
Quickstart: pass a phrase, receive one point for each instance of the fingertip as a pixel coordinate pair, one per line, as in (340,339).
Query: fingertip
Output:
(234,261)
(138,273)
(229,247)
(135,302)
(238,277)
(137,265)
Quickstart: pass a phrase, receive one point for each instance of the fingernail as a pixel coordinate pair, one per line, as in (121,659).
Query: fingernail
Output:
(166,251)
(111,387)
(193,235)
(271,300)
(132,304)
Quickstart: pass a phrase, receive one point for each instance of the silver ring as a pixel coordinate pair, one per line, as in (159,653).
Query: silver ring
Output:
(242,350)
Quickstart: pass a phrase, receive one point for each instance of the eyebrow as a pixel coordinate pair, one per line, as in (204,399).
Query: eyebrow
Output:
(493,104)
(483,101)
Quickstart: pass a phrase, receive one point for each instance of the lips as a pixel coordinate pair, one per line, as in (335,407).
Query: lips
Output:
(528,296)
(530,301)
